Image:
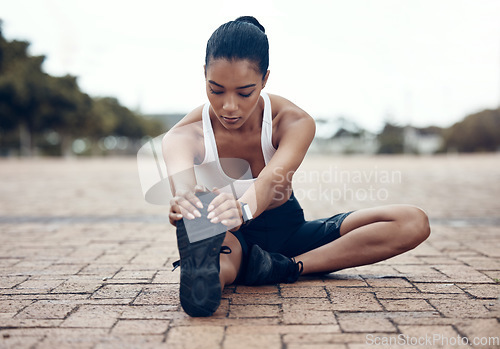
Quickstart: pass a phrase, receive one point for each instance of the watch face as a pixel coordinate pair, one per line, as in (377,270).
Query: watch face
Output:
(247,214)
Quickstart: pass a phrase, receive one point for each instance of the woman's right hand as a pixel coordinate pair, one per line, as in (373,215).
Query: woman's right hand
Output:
(185,205)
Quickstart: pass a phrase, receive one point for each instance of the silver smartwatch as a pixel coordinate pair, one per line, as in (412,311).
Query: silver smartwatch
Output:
(246,213)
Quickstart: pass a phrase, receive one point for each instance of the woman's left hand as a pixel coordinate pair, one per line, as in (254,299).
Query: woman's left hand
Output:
(225,209)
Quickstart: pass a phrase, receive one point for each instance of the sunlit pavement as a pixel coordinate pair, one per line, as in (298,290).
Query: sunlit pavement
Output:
(85,262)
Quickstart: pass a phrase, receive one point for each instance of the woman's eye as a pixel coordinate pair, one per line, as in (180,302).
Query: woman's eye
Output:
(246,96)
(215,92)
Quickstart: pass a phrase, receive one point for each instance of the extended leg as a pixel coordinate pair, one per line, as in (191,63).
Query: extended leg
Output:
(369,236)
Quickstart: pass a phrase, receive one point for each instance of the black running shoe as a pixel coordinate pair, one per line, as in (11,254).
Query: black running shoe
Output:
(199,243)
(270,268)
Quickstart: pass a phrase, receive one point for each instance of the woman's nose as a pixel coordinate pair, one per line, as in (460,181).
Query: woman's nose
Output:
(230,104)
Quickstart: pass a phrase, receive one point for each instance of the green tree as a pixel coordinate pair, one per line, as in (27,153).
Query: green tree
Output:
(477,132)
(66,110)
(391,139)
(22,83)
(33,103)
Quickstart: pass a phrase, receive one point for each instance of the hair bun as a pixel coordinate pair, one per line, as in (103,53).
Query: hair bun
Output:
(251,20)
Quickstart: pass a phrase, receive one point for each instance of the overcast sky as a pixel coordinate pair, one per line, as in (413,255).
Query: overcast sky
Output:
(425,62)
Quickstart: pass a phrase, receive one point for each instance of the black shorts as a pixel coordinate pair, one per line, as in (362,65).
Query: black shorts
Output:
(284,230)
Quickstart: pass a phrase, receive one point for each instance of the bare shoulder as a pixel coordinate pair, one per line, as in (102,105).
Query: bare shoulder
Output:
(189,125)
(288,117)
(186,136)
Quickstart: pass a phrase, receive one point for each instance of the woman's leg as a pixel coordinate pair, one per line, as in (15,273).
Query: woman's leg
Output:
(230,263)
(369,236)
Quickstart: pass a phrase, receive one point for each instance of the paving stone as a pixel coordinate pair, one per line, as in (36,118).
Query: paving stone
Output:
(11,281)
(439,260)
(94,316)
(140,327)
(463,273)
(254,310)
(440,288)
(258,289)
(430,336)
(103,271)
(17,322)
(37,285)
(181,319)
(131,342)
(461,309)
(255,298)
(303,329)
(195,337)
(246,341)
(389,282)
(355,299)
(133,275)
(117,291)
(344,280)
(406,305)
(323,338)
(9,341)
(158,295)
(143,312)
(316,346)
(421,273)
(364,322)
(482,291)
(304,304)
(13,305)
(291,316)
(45,310)
(167,277)
(482,333)
(303,292)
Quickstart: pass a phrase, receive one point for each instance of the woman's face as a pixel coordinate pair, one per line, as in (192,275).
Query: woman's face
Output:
(233,89)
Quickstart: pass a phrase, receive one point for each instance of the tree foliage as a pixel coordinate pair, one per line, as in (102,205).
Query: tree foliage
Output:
(391,139)
(478,132)
(33,103)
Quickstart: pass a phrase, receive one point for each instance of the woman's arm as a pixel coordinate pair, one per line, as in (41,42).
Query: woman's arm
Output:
(181,147)
(293,135)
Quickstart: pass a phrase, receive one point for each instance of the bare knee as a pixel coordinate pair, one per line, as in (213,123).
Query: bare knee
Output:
(415,228)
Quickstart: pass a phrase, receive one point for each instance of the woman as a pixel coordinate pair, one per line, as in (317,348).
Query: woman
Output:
(252,231)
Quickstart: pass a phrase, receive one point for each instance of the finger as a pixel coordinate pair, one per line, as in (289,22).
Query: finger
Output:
(200,188)
(223,203)
(220,199)
(228,217)
(187,209)
(232,223)
(195,201)
(173,216)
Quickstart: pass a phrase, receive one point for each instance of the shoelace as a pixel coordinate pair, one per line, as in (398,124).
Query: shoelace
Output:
(300,265)
(294,270)
(223,250)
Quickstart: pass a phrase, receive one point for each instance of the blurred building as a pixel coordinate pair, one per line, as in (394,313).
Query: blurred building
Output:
(341,136)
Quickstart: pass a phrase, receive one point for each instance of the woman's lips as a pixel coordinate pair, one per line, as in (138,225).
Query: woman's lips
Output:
(230,120)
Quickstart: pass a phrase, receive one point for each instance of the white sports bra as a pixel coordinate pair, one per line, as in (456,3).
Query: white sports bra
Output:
(210,173)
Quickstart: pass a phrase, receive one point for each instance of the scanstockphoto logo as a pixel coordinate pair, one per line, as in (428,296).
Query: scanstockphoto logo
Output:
(431,340)
(335,184)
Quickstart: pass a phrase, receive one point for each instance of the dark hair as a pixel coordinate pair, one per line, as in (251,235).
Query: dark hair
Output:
(243,38)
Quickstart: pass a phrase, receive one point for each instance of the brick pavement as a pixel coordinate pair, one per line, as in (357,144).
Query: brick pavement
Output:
(85,262)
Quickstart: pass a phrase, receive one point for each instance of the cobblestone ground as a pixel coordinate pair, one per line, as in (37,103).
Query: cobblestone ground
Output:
(86,263)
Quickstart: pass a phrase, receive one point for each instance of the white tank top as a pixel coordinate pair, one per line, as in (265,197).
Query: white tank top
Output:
(210,173)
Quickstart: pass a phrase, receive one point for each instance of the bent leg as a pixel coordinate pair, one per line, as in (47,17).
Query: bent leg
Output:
(230,263)
(369,236)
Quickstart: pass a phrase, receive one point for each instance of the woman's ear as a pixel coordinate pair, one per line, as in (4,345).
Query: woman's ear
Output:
(264,80)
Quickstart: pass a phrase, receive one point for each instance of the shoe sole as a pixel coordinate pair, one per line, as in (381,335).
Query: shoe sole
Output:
(200,288)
